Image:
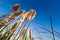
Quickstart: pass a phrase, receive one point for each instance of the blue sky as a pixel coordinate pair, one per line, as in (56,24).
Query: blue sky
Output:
(43,9)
